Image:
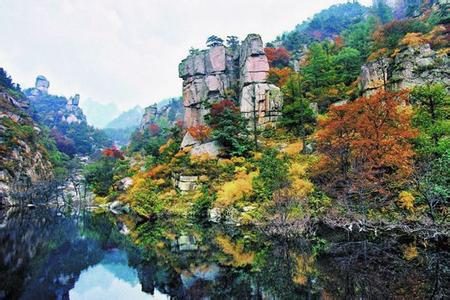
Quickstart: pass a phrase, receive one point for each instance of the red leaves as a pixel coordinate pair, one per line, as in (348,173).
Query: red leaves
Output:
(277,57)
(154,129)
(200,132)
(219,107)
(279,76)
(366,142)
(113,152)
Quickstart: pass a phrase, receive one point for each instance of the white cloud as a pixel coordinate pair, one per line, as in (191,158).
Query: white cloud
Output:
(127,52)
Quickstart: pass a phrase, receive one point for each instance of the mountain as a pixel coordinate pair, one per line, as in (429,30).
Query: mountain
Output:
(66,120)
(328,23)
(129,118)
(98,114)
(24,146)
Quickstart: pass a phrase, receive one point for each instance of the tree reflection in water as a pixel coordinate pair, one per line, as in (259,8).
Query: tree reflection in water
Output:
(44,251)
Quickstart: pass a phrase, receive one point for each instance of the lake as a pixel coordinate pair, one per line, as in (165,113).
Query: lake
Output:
(49,253)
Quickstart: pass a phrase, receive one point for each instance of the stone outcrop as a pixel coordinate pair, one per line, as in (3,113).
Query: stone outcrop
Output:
(219,73)
(412,66)
(207,77)
(168,114)
(42,84)
(53,110)
(23,159)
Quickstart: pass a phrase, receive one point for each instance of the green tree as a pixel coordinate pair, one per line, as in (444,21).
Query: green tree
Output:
(272,174)
(299,117)
(432,117)
(434,185)
(359,36)
(230,128)
(319,71)
(347,64)
(99,175)
(382,11)
(214,41)
(233,42)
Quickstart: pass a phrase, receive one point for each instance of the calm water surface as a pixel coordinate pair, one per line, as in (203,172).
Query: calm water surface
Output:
(59,254)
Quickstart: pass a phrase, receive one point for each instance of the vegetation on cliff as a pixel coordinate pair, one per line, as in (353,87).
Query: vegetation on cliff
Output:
(338,155)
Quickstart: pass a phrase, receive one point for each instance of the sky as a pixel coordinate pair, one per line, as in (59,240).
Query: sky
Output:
(127,51)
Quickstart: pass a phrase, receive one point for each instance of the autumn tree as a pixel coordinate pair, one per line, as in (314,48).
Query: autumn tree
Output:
(200,132)
(365,146)
(277,57)
(278,76)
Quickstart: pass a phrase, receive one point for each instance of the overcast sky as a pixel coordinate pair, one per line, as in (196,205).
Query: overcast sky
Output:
(127,51)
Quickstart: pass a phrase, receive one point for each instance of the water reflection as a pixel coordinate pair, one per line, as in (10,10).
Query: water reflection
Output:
(111,278)
(47,254)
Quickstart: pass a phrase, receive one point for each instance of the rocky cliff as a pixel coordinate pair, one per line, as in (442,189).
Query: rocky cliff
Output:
(220,72)
(53,110)
(66,120)
(23,158)
(164,116)
(410,67)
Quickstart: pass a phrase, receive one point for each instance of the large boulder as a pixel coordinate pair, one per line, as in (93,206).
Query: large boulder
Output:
(412,66)
(212,149)
(263,101)
(42,84)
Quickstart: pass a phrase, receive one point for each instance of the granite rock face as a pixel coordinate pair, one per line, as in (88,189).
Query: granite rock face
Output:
(219,72)
(411,67)
(207,77)
(168,114)
(53,110)
(42,84)
(24,163)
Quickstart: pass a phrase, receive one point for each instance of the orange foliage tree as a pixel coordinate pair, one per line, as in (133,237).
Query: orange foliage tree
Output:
(277,57)
(278,76)
(113,152)
(200,132)
(154,129)
(365,146)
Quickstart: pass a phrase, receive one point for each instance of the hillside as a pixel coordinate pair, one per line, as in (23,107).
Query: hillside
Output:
(65,119)
(341,136)
(25,149)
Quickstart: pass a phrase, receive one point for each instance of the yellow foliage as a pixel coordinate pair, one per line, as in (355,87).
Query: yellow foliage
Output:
(257,156)
(198,158)
(160,245)
(410,252)
(224,162)
(235,190)
(159,182)
(406,200)
(301,187)
(413,39)
(165,146)
(293,149)
(443,52)
(180,153)
(238,160)
(238,170)
(297,169)
(304,267)
(203,178)
(240,258)
(377,54)
(395,53)
(156,170)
